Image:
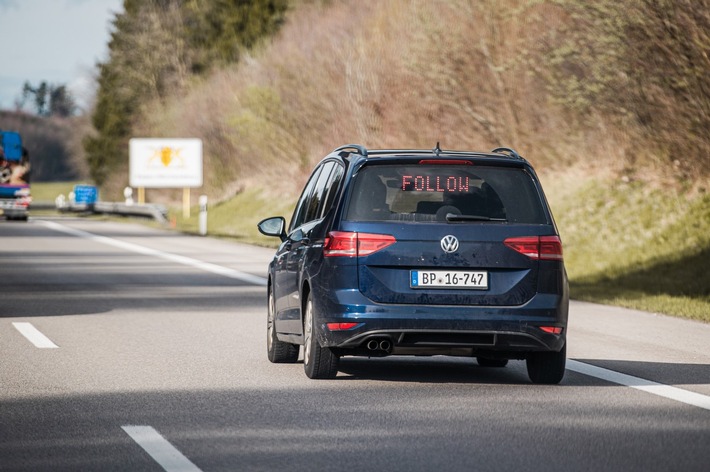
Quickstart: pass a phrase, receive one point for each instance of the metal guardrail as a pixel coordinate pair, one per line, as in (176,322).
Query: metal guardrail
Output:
(42,206)
(157,212)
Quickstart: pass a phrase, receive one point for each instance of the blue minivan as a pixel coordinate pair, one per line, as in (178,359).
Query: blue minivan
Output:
(419,252)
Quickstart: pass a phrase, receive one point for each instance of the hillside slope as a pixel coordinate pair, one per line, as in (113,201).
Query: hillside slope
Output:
(468,74)
(562,81)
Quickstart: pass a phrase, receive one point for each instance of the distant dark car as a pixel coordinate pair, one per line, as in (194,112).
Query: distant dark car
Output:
(419,252)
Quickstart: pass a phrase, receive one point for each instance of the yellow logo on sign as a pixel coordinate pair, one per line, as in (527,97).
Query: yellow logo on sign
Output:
(167,156)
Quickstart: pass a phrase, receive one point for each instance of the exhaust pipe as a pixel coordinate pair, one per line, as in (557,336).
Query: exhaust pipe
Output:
(379,345)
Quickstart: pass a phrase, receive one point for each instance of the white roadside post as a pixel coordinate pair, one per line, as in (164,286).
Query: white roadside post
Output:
(203,215)
(128,195)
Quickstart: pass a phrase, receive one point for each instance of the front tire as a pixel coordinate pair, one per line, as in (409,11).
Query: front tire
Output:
(278,352)
(547,367)
(318,362)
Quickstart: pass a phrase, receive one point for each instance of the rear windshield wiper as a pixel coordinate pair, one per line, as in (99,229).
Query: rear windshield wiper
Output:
(455,217)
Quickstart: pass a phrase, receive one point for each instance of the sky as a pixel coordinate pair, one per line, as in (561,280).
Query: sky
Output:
(57,41)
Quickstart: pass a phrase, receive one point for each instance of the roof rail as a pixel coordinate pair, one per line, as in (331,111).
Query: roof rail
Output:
(441,152)
(362,150)
(510,152)
(400,151)
(437,151)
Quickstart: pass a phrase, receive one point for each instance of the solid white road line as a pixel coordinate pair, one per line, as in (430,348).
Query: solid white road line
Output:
(666,391)
(206,266)
(160,449)
(34,335)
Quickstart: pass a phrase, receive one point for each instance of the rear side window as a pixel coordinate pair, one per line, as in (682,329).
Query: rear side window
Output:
(318,195)
(331,191)
(428,193)
(315,203)
(305,202)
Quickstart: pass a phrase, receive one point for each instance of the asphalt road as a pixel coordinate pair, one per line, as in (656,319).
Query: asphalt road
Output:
(152,357)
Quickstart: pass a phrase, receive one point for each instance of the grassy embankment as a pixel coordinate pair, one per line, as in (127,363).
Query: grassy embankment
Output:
(48,191)
(634,245)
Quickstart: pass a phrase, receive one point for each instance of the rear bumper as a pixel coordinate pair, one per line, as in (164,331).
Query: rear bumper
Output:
(12,208)
(431,329)
(14,212)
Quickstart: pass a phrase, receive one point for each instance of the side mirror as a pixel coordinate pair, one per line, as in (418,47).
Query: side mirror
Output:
(274,226)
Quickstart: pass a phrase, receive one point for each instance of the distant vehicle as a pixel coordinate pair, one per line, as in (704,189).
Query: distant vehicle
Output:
(14,177)
(419,252)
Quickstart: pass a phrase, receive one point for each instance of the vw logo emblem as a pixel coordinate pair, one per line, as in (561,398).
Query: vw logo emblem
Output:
(450,244)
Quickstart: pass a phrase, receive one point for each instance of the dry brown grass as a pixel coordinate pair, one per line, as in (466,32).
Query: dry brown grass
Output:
(390,74)
(472,75)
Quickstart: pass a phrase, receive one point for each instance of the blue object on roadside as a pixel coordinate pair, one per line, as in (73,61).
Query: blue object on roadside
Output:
(86,194)
(12,145)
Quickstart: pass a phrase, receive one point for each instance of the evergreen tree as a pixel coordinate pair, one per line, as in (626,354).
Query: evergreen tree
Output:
(154,48)
(61,103)
(48,99)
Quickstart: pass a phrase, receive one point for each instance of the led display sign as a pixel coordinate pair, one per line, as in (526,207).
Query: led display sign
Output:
(435,183)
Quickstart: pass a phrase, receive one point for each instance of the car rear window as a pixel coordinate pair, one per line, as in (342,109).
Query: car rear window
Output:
(428,193)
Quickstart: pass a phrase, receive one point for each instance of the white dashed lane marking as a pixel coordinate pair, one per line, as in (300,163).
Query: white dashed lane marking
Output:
(34,335)
(160,449)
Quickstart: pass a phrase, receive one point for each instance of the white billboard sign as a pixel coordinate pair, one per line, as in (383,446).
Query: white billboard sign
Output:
(165,163)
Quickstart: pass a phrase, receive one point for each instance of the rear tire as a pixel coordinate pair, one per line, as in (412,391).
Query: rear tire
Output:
(488,362)
(318,362)
(547,367)
(278,352)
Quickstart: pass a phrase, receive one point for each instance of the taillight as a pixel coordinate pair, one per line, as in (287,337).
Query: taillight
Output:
(369,243)
(551,329)
(351,244)
(550,248)
(342,326)
(545,248)
(527,246)
(340,243)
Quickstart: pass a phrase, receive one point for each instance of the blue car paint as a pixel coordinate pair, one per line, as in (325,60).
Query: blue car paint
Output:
(523,294)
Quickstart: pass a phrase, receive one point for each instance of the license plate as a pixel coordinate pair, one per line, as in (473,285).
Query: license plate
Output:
(448,279)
